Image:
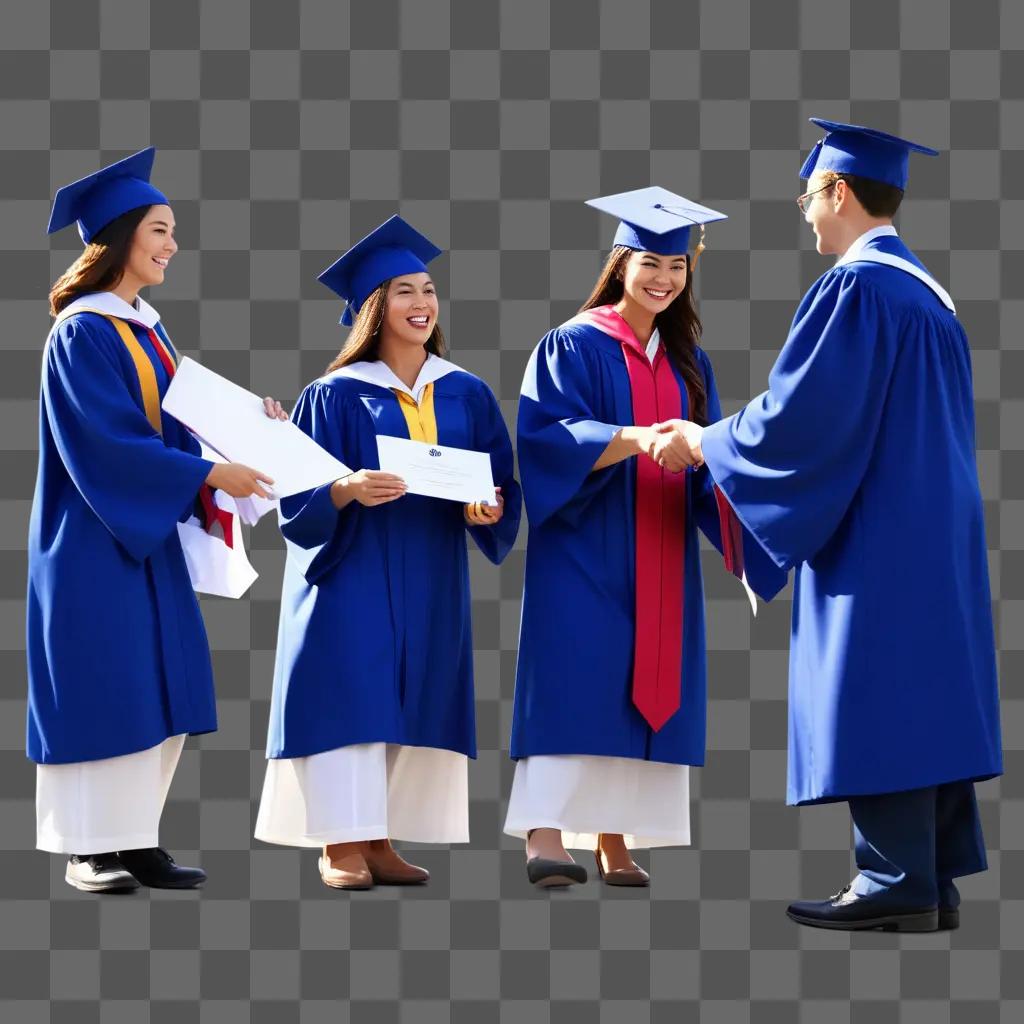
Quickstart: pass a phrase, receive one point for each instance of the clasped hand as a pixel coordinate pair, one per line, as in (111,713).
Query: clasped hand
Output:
(675,445)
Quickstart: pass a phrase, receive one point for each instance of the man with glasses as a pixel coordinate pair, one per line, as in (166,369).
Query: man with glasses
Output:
(857,468)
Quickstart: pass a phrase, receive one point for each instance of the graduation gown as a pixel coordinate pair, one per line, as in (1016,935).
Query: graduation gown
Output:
(576,645)
(118,658)
(375,641)
(857,468)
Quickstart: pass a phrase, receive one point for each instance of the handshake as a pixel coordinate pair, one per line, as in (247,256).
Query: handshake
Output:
(674,444)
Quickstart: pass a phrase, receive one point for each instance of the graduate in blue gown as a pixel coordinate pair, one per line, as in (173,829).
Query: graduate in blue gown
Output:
(371,719)
(857,469)
(118,661)
(610,684)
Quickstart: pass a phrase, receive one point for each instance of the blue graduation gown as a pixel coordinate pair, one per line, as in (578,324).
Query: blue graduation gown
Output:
(576,645)
(857,468)
(375,640)
(118,658)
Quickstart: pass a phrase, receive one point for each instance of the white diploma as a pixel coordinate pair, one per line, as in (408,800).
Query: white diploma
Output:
(438,471)
(213,567)
(233,422)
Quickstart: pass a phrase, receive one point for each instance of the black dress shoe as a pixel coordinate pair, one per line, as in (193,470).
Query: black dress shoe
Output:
(155,867)
(949,907)
(98,872)
(846,910)
(544,873)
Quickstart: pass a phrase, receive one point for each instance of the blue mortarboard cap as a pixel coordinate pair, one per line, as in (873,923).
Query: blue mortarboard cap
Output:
(654,219)
(394,248)
(851,149)
(97,199)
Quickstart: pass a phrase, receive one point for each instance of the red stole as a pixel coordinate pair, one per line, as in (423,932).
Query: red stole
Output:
(660,529)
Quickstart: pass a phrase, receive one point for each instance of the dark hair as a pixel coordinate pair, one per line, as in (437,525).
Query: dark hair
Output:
(678,325)
(878,198)
(101,265)
(363,341)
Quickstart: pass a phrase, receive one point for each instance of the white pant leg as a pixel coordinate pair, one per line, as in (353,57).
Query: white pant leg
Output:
(428,795)
(114,803)
(648,802)
(365,791)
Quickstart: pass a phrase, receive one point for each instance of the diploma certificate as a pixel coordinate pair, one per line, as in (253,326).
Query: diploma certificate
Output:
(438,471)
(232,422)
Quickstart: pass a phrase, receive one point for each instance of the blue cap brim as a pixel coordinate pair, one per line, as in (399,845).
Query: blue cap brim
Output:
(866,152)
(393,249)
(654,219)
(100,198)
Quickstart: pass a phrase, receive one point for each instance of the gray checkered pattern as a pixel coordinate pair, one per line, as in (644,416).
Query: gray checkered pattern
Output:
(287,130)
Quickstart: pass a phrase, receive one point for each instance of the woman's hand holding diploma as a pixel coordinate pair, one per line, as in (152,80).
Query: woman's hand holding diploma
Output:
(369,487)
(479,514)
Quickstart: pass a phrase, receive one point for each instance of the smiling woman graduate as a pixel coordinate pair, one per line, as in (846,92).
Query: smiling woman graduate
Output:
(371,719)
(610,683)
(118,661)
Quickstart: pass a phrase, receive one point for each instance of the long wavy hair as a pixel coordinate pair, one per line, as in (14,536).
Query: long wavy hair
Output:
(679,325)
(363,341)
(101,265)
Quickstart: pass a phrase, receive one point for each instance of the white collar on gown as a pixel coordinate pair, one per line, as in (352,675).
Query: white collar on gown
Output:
(378,372)
(860,244)
(107,302)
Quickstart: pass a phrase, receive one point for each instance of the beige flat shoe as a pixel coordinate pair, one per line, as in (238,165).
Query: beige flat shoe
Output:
(347,872)
(387,867)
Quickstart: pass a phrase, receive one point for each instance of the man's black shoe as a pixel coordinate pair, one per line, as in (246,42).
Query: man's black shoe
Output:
(155,868)
(98,872)
(850,912)
(949,907)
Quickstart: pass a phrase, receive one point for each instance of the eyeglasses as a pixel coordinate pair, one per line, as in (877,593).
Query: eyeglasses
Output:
(804,201)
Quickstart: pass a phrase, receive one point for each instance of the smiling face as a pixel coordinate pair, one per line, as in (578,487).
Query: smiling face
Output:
(411,311)
(653,282)
(152,247)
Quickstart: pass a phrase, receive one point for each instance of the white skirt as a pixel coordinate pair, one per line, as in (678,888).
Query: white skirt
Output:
(366,791)
(107,805)
(648,802)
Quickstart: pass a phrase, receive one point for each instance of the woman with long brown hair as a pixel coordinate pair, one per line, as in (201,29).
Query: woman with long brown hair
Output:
(118,661)
(610,684)
(371,719)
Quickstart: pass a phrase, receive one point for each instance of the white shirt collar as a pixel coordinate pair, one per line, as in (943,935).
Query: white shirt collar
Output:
(860,244)
(107,302)
(378,372)
(652,345)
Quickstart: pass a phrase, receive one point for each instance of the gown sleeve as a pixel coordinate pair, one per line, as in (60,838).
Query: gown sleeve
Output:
(559,436)
(491,436)
(139,486)
(310,520)
(792,460)
(719,523)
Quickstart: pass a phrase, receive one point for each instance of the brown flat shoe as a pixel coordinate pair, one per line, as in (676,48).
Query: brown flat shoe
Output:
(634,875)
(345,872)
(388,868)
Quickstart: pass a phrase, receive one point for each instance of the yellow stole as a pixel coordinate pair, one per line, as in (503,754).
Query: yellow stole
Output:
(419,418)
(143,365)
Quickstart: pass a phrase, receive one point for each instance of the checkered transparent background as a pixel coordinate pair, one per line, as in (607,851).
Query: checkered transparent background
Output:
(287,130)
